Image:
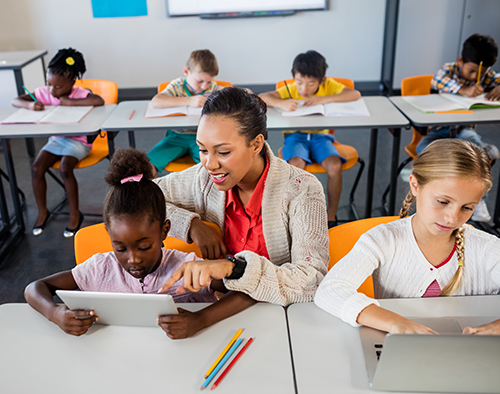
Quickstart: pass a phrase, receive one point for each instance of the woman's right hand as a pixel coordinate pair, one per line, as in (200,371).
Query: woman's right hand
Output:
(73,322)
(407,326)
(208,241)
(36,106)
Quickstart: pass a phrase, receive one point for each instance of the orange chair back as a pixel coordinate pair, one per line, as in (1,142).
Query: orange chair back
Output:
(108,90)
(343,238)
(415,86)
(225,84)
(95,239)
(344,81)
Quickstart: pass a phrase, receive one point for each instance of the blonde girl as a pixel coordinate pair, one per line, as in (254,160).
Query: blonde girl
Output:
(431,253)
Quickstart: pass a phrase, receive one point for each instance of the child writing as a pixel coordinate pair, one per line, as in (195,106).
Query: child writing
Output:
(302,147)
(135,218)
(191,90)
(428,254)
(63,70)
(479,53)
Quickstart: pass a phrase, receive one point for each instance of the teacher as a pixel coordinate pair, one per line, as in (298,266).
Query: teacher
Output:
(272,215)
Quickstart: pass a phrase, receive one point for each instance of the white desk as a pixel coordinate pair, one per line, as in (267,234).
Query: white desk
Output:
(421,121)
(383,115)
(37,357)
(90,124)
(327,352)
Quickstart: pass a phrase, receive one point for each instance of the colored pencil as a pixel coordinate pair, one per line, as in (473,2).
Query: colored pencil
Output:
(479,73)
(233,339)
(454,112)
(27,91)
(288,90)
(221,364)
(132,114)
(231,364)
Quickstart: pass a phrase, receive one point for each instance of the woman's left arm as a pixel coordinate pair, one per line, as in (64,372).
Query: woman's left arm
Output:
(298,279)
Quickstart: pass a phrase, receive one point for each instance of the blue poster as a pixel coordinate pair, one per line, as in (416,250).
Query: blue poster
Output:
(119,8)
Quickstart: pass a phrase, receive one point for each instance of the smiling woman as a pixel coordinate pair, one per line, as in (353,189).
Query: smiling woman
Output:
(273,215)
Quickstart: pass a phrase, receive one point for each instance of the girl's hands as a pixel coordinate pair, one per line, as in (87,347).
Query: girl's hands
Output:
(492,328)
(36,106)
(198,274)
(76,322)
(403,325)
(208,241)
(183,325)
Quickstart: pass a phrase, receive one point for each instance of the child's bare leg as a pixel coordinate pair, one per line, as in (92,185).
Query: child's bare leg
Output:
(297,162)
(333,168)
(43,162)
(66,170)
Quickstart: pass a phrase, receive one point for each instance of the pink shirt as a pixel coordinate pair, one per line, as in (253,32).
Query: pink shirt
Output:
(103,272)
(43,95)
(434,289)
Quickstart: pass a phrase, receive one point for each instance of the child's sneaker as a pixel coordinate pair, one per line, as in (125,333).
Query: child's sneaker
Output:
(481,213)
(492,152)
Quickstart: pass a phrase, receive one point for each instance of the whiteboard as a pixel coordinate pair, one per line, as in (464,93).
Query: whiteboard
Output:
(197,7)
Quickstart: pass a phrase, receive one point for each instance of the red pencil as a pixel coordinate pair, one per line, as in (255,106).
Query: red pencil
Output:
(232,363)
(132,114)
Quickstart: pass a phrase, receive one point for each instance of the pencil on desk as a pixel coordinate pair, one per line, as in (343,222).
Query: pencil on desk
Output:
(454,112)
(479,73)
(288,90)
(233,339)
(132,114)
(27,91)
(221,364)
(231,364)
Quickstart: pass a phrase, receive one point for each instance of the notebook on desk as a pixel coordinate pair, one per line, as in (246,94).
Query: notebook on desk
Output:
(449,362)
(123,309)
(51,114)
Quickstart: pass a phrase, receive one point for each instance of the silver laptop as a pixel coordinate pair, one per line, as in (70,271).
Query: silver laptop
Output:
(449,362)
(123,309)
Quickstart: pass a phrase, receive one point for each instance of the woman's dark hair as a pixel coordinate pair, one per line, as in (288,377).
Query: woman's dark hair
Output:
(245,108)
(68,63)
(131,197)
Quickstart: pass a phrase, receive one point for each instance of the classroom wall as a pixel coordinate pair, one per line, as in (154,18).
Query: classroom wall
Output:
(144,51)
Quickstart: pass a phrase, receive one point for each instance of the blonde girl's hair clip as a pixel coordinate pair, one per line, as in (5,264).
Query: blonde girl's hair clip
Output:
(70,61)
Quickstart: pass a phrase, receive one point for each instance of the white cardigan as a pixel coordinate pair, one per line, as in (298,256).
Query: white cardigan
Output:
(400,270)
(294,223)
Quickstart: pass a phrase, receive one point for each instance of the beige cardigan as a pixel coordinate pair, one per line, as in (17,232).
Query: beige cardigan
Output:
(294,223)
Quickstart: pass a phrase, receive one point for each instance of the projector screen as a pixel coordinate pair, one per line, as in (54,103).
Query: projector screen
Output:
(241,7)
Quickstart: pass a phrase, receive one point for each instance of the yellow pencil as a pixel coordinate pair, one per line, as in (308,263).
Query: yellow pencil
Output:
(233,339)
(479,73)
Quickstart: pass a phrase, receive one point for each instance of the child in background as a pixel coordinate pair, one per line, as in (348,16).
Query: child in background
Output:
(461,78)
(192,91)
(63,70)
(305,146)
(428,254)
(135,218)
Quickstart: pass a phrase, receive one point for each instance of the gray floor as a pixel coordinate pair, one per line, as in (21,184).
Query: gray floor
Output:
(50,252)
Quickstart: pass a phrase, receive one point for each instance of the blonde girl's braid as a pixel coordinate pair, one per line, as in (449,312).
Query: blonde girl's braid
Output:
(408,201)
(454,283)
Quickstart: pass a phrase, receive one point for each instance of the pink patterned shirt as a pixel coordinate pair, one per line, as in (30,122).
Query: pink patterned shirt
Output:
(103,272)
(43,95)
(434,289)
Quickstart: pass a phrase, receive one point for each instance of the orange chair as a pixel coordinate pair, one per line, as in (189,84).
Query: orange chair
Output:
(108,90)
(184,162)
(343,238)
(95,239)
(346,151)
(411,86)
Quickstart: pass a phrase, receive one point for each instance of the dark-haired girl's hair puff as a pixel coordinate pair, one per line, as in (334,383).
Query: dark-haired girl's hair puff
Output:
(68,63)
(134,197)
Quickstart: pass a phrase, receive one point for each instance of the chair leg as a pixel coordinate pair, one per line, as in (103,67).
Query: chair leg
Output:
(354,187)
(386,192)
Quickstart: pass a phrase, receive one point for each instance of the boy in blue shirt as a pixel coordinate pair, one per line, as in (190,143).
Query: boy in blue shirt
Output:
(305,146)
(460,77)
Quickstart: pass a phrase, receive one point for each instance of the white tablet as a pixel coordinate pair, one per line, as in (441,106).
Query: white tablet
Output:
(123,309)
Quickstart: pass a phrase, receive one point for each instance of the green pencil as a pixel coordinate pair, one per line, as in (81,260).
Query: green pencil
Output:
(27,91)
